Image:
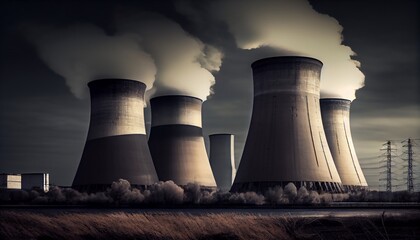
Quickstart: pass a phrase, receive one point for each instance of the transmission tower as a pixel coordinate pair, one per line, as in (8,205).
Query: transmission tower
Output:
(389,154)
(408,144)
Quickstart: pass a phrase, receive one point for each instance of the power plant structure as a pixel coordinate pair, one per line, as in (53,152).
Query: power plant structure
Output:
(176,141)
(40,181)
(222,159)
(116,145)
(336,120)
(286,141)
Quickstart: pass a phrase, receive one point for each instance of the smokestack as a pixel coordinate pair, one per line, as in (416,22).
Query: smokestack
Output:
(116,145)
(222,159)
(176,141)
(286,140)
(336,119)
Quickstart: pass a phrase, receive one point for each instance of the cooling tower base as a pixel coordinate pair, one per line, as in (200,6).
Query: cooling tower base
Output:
(179,155)
(262,187)
(109,159)
(94,188)
(353,188)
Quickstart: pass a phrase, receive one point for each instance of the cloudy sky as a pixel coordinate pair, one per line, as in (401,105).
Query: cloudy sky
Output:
(200,48)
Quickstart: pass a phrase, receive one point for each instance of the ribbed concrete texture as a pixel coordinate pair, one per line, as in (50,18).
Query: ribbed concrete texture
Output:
(336,119)
(176,141)
(116,145)
(286,141)
(222,159)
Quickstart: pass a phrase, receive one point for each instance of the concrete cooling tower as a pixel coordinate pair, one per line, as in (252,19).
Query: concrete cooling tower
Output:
(176,141)
(222,159)
(336,119)
(286,141)
(116,145)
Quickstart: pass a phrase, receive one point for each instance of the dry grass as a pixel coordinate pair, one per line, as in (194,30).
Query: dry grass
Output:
(29,225)
(123,225)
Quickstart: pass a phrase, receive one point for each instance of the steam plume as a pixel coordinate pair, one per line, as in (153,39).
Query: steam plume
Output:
(81,53)
(293,26)
(184,63)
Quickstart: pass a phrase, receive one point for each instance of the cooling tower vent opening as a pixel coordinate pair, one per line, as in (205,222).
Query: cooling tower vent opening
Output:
(221,134)
(175,97)
(265,62)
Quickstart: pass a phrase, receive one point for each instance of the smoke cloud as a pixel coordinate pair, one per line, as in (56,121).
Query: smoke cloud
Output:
(121,193)
(164,192)
(294,27)
(184,63)
(84,52)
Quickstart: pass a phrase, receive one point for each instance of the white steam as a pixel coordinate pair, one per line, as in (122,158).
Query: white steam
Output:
(184,63)
(81,53)
(294,26)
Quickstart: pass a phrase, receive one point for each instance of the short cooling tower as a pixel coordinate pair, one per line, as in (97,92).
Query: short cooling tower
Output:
(286,140)
(222,159)
(116,145)
(336,119)
(176,141)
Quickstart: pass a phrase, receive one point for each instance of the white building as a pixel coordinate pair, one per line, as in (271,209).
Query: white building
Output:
(10,181)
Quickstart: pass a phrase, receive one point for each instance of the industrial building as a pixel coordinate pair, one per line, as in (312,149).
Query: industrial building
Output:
(176,141)
(10,181)
(37,181)
(116,145)
(336,120)
(286,141)
(222,159)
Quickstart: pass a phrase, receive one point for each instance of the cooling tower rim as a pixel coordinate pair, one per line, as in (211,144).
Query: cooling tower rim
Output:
(335,100)
(284,59)
(174,96)
(218,134)
(109,80)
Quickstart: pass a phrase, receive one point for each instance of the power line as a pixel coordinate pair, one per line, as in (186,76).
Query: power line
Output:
(394,168)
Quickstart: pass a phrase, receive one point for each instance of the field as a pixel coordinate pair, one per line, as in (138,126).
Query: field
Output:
(61,223)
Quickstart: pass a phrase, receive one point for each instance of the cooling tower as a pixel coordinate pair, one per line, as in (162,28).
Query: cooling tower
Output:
(336,119)
(176,141)
(116,145)
(286,141)
(222,159)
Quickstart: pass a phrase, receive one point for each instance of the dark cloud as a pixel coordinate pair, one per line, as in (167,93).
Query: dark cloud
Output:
(386,38)
(41,135)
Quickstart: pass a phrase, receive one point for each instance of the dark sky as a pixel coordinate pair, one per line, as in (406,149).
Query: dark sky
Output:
(43,126)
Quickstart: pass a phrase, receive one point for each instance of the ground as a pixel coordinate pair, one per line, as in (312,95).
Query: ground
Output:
(129,223)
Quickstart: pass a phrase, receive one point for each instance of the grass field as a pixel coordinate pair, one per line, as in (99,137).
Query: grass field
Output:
(121,224)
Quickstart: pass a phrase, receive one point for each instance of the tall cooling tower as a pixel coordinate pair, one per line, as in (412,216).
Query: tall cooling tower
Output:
(176,141)
(336,119)
(286,141)
(116,145)
(222,159)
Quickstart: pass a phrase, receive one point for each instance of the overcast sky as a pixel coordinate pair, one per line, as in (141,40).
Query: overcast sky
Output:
(43,125)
